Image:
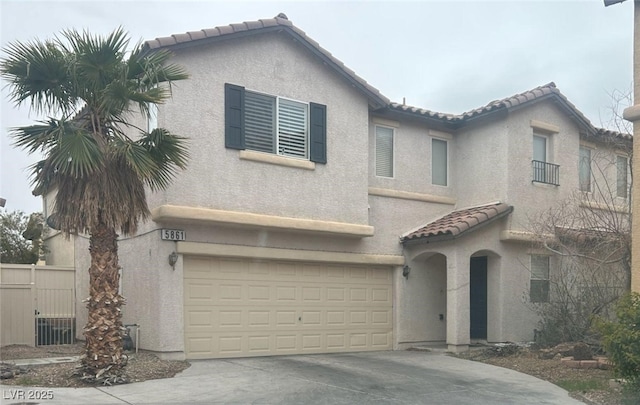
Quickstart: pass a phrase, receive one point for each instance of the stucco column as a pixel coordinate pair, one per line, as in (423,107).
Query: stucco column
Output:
(633,114)
(458,302)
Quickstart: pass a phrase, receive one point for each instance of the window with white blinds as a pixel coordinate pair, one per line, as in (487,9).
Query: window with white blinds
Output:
(439,162)
(384,151)
(259,122)
(276,125)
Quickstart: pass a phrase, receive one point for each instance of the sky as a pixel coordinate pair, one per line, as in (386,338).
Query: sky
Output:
(445,56)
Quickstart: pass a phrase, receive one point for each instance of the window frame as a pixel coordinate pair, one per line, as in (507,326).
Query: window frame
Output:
(235,128)
(541,285)
(277,125)
(581,183)
(626,177)
(446,162)
(393,150)
(546,139)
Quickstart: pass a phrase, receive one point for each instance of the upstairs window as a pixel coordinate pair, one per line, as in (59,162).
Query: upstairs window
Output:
(152,120)
(584,169)
(439,162)
(539,287)
(622,187)
(384,151)
(540,148)
(543,171)
(273,124)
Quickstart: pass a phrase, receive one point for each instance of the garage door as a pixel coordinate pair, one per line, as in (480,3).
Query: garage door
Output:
(240,308)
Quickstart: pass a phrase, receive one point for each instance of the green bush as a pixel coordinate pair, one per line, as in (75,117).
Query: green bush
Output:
(621,339)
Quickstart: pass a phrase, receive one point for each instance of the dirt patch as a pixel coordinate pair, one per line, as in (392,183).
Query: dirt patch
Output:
(141,366)
(588,385)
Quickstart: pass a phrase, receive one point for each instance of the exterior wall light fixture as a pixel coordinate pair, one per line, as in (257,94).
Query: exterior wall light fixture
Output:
(405,271)
(173,259)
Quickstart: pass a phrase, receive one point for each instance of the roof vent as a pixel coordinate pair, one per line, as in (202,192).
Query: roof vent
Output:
(282,15)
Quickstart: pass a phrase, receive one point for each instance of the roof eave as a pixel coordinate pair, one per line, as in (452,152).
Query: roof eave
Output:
(376,100)
(450,236)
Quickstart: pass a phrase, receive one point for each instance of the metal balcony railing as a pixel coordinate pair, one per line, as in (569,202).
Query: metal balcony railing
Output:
(547,173)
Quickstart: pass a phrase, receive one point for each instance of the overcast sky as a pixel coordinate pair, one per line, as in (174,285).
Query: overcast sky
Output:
(446,56)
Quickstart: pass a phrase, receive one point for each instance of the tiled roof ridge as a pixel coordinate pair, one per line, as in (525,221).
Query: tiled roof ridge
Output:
(515,99)
(189,36)
(247,26)
(506,102)
(281,20)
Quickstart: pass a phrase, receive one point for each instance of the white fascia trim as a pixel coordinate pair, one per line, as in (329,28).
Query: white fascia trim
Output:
(174,213)
(265,253)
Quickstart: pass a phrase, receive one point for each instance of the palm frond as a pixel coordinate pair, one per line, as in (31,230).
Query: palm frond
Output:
(38,72)
(98,171)
(169,151)
(35,138)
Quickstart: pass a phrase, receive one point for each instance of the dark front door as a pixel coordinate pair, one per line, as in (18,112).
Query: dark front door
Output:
(478,297)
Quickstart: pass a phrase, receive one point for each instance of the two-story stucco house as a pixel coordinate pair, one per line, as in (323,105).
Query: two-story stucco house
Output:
(320,217)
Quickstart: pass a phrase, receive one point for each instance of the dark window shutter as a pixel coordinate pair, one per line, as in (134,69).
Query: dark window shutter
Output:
(318,133)
(233,116)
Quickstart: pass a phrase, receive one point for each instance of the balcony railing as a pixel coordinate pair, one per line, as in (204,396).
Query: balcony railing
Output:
(547,173)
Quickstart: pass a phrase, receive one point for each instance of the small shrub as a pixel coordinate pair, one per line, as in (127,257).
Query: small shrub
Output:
(582,351)
(621,340)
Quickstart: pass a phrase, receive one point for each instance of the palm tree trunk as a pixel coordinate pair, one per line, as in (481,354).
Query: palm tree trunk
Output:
(103,333)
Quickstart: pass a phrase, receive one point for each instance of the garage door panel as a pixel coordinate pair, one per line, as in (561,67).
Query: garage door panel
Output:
(236,308)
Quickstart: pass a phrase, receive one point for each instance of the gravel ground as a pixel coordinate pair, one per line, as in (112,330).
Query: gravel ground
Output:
(140,367)
(552,370)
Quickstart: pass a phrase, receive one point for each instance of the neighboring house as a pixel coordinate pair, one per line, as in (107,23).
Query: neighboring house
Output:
(320,217)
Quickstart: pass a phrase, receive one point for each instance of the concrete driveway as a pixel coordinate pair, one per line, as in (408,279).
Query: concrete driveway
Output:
(400,377)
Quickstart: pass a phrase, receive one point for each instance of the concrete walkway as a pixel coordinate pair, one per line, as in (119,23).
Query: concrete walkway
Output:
(400,377)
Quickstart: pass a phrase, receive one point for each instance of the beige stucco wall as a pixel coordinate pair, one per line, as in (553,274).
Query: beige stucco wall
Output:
(59,250)
(482,164)
(218,178)
(412,158)
(529,198)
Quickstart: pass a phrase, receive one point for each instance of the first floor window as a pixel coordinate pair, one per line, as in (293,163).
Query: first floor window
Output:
(539,283)
(384,152)
(273,124)
(439,162)
(622,176)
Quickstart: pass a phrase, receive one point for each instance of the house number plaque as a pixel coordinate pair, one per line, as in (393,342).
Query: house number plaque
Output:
(172,234)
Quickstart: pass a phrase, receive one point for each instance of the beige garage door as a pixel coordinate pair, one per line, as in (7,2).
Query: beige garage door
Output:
(239,308)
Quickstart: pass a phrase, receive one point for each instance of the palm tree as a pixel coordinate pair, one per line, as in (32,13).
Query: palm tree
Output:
(96,160)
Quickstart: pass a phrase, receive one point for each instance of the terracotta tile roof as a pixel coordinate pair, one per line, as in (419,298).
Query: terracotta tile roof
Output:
(278,23)
(608,133)
(377,99)
(539,93)
(457,223)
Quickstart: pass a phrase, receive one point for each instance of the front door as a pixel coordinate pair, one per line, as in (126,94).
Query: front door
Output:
(478,297)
